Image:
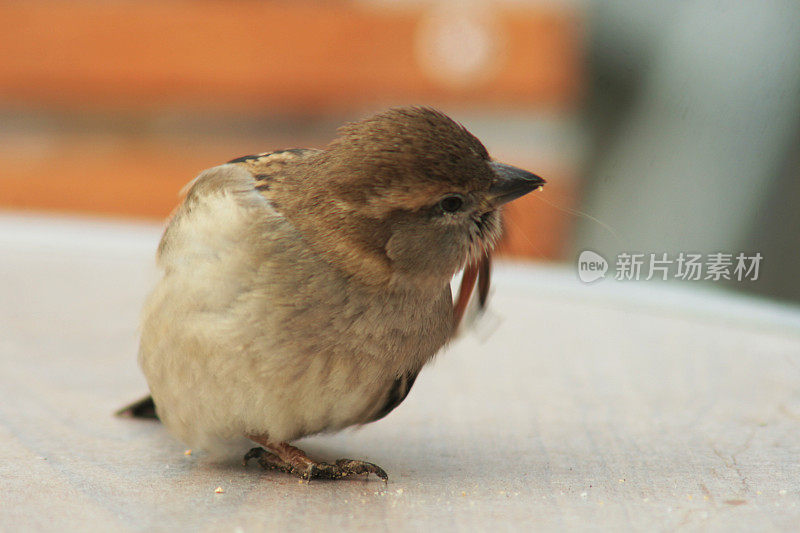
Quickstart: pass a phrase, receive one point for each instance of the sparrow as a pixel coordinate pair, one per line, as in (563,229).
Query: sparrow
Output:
(303,290)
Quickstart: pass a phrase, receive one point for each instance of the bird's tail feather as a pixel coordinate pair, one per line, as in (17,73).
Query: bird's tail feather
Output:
(144,408)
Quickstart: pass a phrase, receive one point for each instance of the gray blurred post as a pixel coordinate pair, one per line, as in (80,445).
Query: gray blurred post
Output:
(707,135)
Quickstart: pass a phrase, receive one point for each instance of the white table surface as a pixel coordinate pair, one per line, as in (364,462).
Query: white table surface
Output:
(614,406)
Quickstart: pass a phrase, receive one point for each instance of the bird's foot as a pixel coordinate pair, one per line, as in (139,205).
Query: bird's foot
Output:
(289,459)
(267,460)
(351,467)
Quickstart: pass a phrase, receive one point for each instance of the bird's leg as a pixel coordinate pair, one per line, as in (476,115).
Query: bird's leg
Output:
(267,460)
(287,458)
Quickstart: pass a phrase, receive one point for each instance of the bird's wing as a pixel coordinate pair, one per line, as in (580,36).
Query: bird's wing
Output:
(249,188)
(264,167)
(395,395)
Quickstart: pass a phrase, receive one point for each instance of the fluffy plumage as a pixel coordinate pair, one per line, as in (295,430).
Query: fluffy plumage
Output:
(304,290)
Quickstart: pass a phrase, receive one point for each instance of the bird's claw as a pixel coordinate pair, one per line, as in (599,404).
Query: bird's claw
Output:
(344,468)
(315,470)
(354,467)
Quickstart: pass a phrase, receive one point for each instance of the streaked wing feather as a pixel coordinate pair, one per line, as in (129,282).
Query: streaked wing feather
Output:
(396,394)
(265,166)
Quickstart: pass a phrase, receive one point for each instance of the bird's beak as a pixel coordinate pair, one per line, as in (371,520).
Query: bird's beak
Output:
(510,183)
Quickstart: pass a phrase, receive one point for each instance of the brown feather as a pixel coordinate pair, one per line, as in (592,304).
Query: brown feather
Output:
(480,272)
(464,293)
(484,279)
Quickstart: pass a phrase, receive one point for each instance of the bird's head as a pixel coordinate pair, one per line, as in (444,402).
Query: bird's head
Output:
(405,196)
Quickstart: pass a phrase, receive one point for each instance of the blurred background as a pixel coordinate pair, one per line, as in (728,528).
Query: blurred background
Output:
(660,126)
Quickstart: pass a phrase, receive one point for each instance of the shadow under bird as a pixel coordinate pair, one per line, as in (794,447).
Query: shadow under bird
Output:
(304,290)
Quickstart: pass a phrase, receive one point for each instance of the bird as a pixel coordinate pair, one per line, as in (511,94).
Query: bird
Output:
(303,290)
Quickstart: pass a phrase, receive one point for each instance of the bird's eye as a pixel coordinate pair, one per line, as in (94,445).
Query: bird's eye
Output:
(451,203)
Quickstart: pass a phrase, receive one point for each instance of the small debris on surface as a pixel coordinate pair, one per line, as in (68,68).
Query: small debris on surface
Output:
(736,502)
(219,490)
(782,492)
(187,452)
